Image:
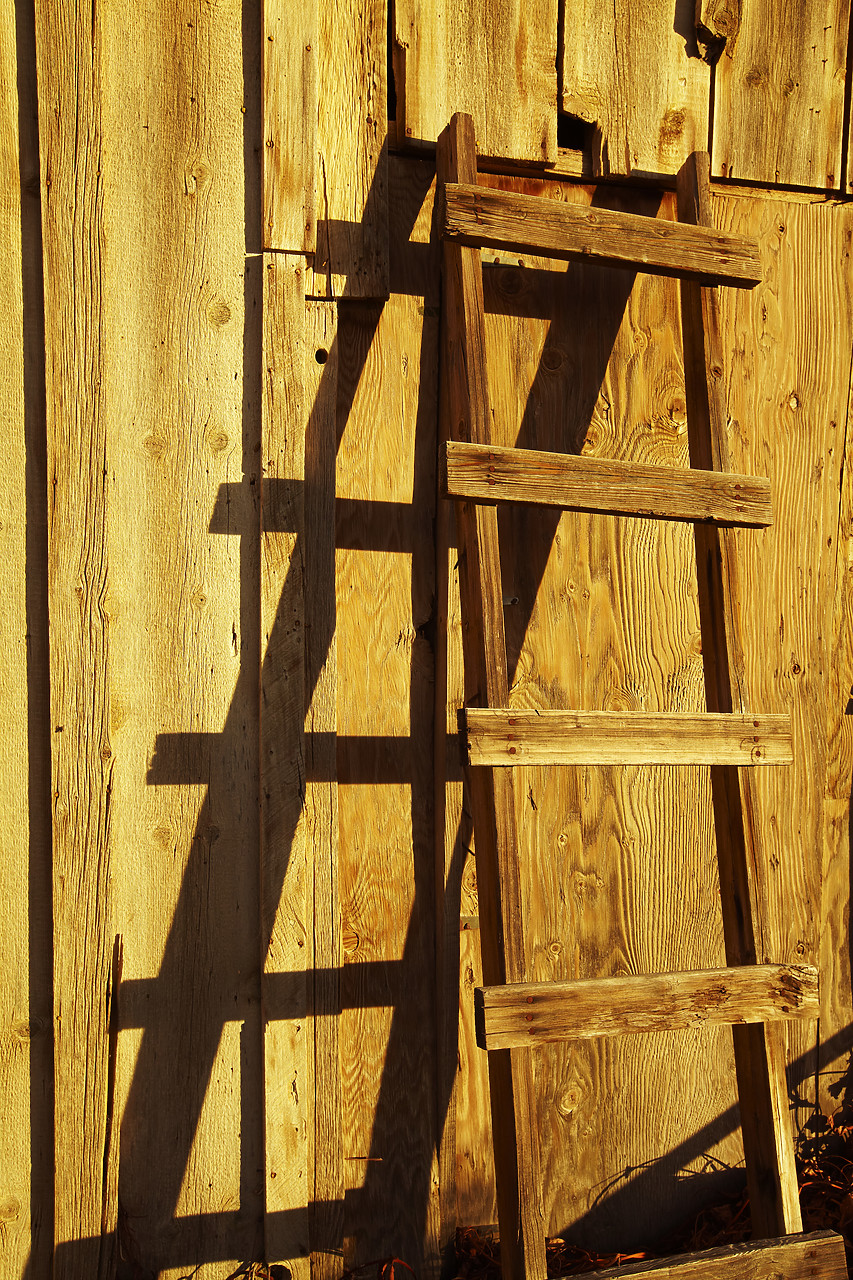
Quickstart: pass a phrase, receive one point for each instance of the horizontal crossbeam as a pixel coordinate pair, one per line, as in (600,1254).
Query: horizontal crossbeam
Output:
(796,1257)
(531,1013)
(486,473)
(498,737)
(482,216)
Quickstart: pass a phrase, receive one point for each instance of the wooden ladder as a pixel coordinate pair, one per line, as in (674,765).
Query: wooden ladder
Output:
(513,1015)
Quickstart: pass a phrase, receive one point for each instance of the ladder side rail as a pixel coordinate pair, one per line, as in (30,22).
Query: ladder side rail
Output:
(759,1049)
(467,417)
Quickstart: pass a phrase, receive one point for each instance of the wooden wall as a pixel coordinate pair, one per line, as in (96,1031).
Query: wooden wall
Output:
(237,873)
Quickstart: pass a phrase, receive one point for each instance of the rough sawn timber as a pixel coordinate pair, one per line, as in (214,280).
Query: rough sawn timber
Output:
(491,474)
(533,1013)
(503,737)
(779,95)
(505,220)
(818,1255)
(631,71)
(452,57)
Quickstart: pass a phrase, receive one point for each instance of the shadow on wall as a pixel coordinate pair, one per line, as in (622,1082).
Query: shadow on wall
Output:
(162,1005)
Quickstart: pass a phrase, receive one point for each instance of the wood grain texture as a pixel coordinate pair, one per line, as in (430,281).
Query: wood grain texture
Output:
(320,370)
(179,371)
(759,1051)
(26,1013)
(491,474)
(69,53)
(286,872)
(835,955)
(633,72)
(351,169)
(804,403)
(451,58)
(467,416)
(600,614)
(508,220)
(499,737)
(779,95)
(819,1253)
(535,1013)
(290,58)
(386,408)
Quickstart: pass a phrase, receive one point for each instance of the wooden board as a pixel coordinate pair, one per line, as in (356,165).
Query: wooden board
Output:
(779,95)
(286,870)
(82,756)
(327,1177)
(26,1007)
(601,615)
(819,1253)
(592,484)
(290,58)
(633,71)
(351,171)
(509,220)
(612,738)
(385,596)
(325,185)
(805,403)
(177,360)
(452,57)
(534,1013)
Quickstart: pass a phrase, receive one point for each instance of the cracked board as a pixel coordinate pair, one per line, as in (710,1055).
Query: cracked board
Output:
(633,72)
(453,57)
(325,142)
(26,1013)
(779,95)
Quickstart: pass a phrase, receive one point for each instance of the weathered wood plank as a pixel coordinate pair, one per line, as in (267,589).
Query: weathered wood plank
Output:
(351,170)
(508,737)
(286,870)
(385,584)
(534,1013)
(466,415)
(779,95)
(759,1050)
(26,1005)
(799,1257)
(525,224)
(290,56)
(493,474)
(180,374)
(321,798)
(450,57)
(632,71)
(69,70)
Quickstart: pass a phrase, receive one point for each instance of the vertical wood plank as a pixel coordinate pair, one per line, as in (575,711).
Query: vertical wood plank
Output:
(779,95)
(69,66)
(286,883)
(634,73)
(290,56)
(351,170)
(321,797)
(450,57)
(182,382)
(26,1014)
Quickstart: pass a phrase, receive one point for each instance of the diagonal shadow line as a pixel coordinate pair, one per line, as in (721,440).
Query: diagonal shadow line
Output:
(220,1227)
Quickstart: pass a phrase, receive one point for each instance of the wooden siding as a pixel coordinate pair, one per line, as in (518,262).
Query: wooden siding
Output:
(219,386)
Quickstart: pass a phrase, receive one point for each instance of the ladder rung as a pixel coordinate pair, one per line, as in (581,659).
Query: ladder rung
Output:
(529,1013)
(481,216)
(805,1256)
(499,737)
(487,473)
